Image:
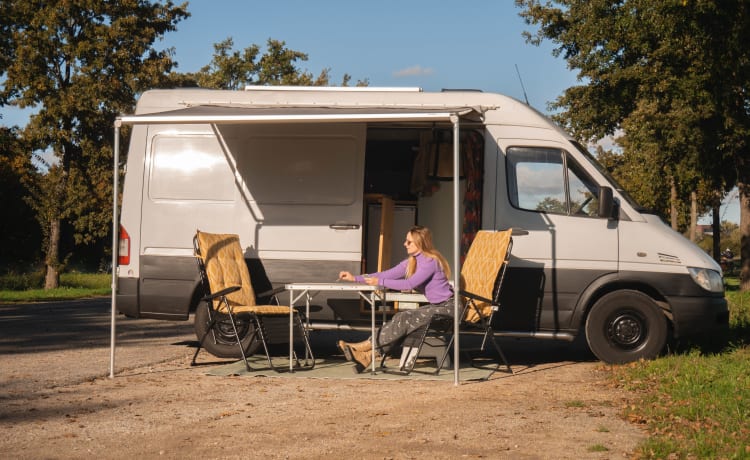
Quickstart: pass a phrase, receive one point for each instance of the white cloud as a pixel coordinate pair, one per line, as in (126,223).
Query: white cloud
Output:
(413,71)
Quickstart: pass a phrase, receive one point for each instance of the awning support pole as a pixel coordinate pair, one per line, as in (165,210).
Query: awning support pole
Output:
(115,241)
(456,249)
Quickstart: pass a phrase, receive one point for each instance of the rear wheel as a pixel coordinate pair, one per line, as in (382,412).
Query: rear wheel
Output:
(221,342)
(625,326)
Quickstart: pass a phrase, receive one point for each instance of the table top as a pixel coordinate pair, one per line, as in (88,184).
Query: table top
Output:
(335,286)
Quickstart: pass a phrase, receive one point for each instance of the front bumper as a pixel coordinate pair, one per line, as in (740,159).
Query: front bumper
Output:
(700,316)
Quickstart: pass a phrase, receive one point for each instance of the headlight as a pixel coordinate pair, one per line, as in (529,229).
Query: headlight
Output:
(709,280)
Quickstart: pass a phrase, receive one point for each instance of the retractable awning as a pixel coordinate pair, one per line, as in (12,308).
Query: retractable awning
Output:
(223,113)
(232,114)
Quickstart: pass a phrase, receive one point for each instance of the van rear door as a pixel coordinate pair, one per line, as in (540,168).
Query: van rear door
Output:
(303,185)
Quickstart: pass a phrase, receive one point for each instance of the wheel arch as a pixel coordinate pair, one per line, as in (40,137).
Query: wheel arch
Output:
(610,283)
(196,296)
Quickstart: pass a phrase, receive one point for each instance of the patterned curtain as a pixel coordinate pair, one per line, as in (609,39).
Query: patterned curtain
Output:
(473,162)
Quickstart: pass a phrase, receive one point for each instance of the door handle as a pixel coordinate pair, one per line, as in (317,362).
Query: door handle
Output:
(344,226)
(516,231)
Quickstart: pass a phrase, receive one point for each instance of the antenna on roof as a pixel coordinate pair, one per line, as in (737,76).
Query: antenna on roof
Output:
(522,87)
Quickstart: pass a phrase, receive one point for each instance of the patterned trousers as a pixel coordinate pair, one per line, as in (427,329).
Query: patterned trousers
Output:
(405,322)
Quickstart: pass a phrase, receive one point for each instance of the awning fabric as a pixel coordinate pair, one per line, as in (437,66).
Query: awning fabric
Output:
(220,114)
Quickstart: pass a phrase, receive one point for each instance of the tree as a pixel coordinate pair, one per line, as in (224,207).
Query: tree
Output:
(672,75)
(80,63)
(233,69)
(17,225)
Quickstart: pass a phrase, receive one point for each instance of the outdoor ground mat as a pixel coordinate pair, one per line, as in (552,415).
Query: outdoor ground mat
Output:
(332,368)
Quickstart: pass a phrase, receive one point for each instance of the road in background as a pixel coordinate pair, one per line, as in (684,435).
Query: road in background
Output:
(50,344)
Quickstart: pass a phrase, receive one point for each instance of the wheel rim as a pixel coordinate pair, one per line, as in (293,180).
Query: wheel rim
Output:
(224,332)
(627,329)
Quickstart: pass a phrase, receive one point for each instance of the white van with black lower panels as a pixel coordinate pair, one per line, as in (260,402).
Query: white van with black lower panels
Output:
(302,175)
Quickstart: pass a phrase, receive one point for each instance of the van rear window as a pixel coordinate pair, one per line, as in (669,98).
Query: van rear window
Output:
(189,167)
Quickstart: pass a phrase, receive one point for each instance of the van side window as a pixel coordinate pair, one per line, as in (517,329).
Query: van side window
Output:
(549,180)
(189,168)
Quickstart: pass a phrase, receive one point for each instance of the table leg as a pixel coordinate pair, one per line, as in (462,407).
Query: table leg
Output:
(373,306)
(291,330)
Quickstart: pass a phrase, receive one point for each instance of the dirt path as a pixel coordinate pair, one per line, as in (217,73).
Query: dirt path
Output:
(557,405)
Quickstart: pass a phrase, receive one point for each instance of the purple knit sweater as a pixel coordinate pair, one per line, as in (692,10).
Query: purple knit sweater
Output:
(428,279)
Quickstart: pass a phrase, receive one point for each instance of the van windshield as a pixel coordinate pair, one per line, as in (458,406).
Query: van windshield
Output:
(624,193)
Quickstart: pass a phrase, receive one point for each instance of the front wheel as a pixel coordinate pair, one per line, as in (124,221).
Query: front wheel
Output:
(221,341)
(625,326)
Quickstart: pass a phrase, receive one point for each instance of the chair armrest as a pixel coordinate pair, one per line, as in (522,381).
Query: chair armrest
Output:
(476,297)
(270,292)
(221,293)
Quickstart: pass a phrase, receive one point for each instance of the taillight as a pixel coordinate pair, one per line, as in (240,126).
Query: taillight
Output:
(124,249)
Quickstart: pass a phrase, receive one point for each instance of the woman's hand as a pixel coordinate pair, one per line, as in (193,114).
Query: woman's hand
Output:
(346,276)
(371,281)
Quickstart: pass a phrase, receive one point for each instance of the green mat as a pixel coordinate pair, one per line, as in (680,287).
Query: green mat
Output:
(331,368)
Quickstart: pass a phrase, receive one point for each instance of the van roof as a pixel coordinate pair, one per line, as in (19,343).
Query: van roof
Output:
(331,104)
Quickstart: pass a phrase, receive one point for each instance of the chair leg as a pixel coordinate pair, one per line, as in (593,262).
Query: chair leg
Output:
(259,330)
(502,355)
(239,341)
(200,341)
(209,328)
(306,340)
(445,355)
(489,333)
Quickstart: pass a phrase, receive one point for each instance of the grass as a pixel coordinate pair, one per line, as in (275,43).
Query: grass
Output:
(695,405)
(72,286)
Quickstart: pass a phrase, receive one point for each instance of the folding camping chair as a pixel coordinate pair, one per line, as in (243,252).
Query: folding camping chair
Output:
(231,303)
(482,277)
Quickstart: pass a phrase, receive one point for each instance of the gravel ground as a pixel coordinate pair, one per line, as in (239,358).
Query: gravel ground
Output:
(58,401)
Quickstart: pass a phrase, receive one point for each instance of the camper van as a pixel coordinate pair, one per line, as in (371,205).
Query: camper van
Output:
(319,180)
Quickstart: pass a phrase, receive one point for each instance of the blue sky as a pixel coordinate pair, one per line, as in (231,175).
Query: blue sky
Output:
(433,45)
(428,44)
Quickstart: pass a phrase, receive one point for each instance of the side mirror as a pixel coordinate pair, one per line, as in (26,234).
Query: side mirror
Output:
(606,203)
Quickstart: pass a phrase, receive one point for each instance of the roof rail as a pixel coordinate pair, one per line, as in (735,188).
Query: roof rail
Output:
(461,90)
(393,89)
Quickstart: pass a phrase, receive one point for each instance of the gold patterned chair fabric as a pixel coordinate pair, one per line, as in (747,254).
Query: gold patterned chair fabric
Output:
(482,277)
(225,267)
(230,298)
(479,273)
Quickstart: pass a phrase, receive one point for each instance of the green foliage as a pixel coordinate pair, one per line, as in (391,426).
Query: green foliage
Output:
(670,78)
(80,63)
(739,313)
(28,286)
(694,406)
(21,281)
(21,237)
(235,69)
(730,238)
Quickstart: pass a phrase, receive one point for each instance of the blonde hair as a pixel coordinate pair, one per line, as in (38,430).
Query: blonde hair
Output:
(422,238)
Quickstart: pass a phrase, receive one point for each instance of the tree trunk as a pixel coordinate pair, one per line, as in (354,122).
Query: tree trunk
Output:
(52,259)
(716,228)
(693,215)
(744,189)
(673,202)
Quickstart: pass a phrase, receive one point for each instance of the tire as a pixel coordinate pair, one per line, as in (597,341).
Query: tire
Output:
(625,326)
(222,343)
